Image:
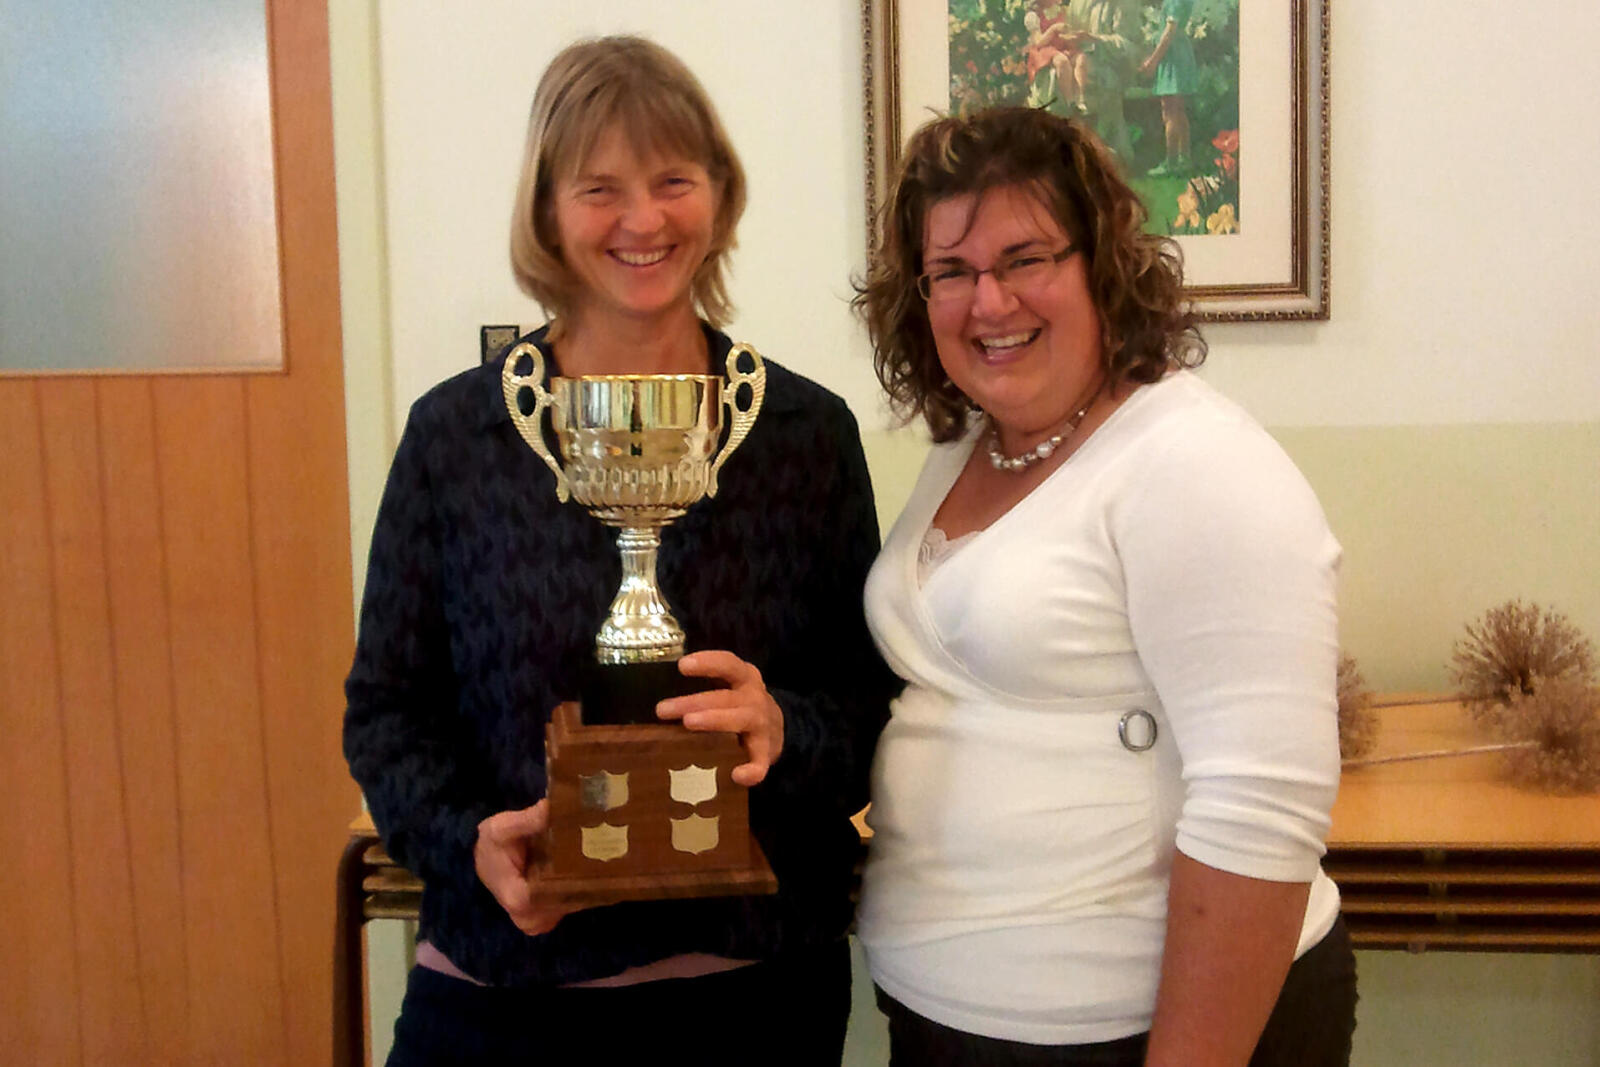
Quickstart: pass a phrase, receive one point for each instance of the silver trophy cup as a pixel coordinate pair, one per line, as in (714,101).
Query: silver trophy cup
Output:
(636,450)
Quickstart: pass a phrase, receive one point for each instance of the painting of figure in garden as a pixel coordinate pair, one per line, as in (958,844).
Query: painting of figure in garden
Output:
(1158,80)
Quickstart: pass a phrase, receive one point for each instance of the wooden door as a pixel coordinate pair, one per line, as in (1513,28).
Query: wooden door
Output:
(174,626)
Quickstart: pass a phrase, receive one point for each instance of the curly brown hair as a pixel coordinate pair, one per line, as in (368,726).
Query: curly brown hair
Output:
(1135,278)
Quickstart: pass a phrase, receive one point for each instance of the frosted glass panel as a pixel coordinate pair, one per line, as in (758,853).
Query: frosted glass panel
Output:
(137,221)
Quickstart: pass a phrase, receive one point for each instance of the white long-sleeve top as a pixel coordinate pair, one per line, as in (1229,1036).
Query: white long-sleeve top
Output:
(1177,564)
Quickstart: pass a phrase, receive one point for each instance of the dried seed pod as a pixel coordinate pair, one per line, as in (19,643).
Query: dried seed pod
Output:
(1562,717)
(1358,720)
(1510,652)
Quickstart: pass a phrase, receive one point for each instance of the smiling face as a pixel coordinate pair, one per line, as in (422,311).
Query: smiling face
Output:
(1027,355)
(633,229)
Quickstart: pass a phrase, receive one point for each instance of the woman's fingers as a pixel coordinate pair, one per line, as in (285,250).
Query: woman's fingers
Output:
(692,710)
(507,844)
(744,708)
(717,663)
(512,826)
(754,771)
(760,733)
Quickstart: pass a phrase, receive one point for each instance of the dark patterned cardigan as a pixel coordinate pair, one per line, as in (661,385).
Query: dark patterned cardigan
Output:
(482,595)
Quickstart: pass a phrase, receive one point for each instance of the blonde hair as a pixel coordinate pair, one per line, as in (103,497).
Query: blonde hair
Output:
(662,108)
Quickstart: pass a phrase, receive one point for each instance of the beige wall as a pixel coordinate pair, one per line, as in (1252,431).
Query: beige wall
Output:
(1448,415)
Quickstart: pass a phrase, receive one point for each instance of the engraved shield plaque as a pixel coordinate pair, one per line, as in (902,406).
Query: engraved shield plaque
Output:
(603,791)
(693,784)
(605,842)
(695,834)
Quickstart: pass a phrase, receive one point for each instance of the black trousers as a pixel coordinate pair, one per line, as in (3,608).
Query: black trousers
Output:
(788,1011)
(1311,1026)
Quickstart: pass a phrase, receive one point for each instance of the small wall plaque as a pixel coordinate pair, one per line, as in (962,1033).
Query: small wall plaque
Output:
(493,340)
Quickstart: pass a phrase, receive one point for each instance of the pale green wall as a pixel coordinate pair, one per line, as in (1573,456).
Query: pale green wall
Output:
(1448,1009)
(894,457)
(1440,523)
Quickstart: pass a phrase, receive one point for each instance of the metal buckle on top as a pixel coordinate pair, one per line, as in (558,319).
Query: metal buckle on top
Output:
(1137,730)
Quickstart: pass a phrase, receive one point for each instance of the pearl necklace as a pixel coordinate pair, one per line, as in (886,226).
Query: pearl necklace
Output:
(1039,452)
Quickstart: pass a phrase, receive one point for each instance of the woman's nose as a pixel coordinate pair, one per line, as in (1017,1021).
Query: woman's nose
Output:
(643,214)
(990,297)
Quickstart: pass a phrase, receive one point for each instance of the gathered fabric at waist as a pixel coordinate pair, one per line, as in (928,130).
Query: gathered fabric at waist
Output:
(995,814)
(1016,883)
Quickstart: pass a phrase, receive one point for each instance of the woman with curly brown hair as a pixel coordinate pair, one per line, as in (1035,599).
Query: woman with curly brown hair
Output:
(1100,803)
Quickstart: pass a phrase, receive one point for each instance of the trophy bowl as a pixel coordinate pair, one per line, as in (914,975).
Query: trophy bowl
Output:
(638,450)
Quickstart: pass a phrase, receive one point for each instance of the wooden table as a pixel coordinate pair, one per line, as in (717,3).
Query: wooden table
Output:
(371,886)
(1447,854)
(388,890)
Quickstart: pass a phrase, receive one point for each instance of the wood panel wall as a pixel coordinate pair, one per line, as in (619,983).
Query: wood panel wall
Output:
(175,624)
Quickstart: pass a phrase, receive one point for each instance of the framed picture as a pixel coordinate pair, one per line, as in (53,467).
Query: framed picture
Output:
(493,340)
(1218,109)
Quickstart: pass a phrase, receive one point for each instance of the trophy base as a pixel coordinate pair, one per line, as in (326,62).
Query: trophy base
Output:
(621,693)
(645,812)
(577,892)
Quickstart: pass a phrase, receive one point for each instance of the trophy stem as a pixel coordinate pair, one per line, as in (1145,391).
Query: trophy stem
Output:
(640,628)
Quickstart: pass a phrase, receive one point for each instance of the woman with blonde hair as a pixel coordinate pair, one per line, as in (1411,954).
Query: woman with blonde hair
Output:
(1099,804)
(484,594)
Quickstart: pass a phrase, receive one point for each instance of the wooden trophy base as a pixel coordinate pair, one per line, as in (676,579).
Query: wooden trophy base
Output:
(645,812)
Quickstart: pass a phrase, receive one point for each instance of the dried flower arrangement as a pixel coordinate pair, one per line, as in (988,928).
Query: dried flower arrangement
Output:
(1509,651)
(1562,718)
(1358,720)
(1527,675)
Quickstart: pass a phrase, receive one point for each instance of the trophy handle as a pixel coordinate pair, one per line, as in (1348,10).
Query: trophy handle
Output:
(531,427)
(739,420)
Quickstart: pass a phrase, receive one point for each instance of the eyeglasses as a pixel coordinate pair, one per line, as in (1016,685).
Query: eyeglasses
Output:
(959,281)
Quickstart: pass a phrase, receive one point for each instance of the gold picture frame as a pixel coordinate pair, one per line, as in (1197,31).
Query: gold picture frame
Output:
(1276,266)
